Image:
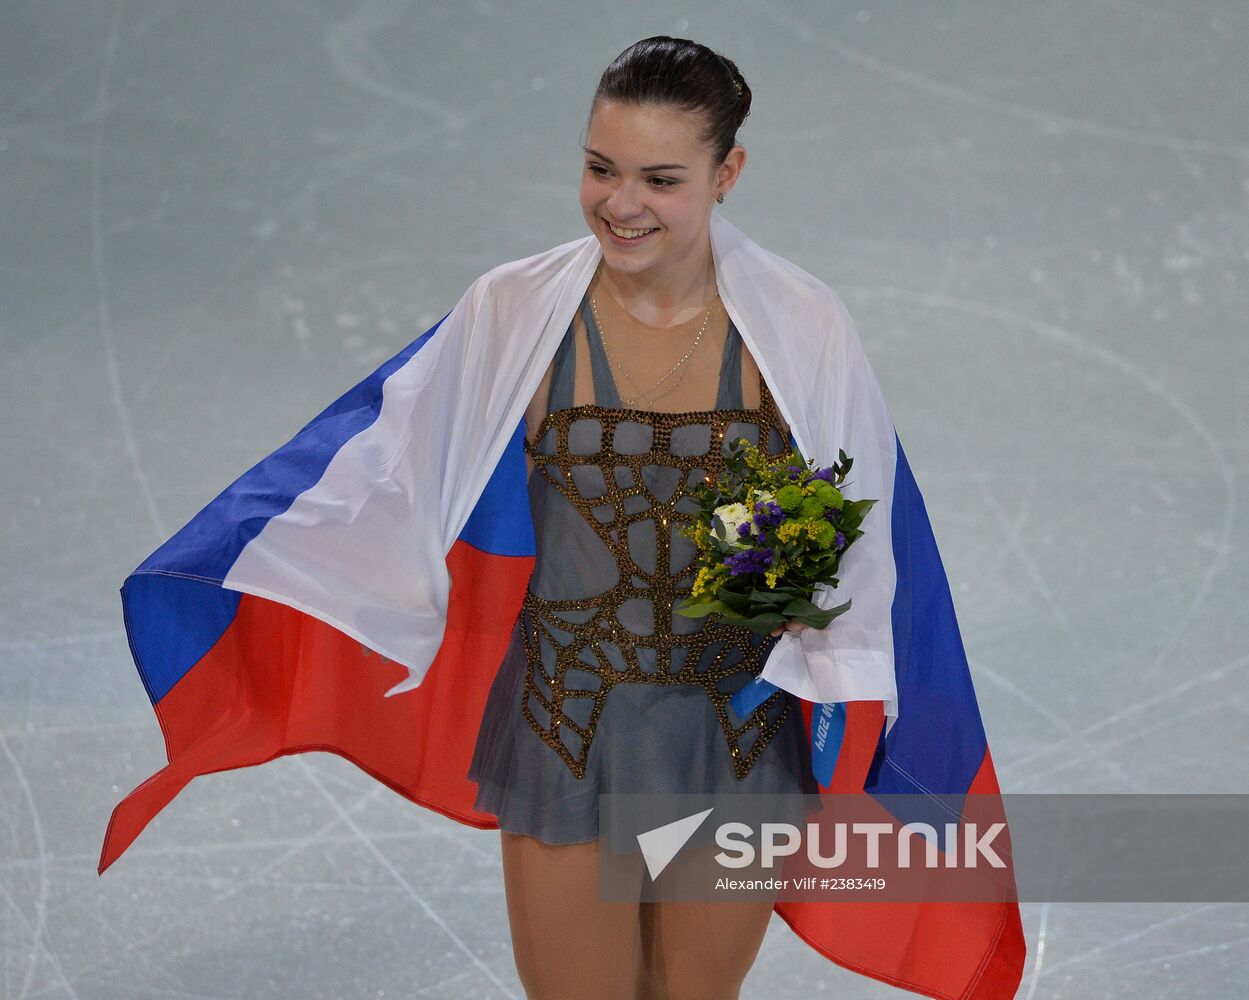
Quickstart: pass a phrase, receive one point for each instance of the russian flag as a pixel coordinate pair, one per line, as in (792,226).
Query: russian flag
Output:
(237,679)
(240,670)
(954,950)
(957,950)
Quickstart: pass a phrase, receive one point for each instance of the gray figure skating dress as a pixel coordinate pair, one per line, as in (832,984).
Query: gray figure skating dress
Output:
(603,689)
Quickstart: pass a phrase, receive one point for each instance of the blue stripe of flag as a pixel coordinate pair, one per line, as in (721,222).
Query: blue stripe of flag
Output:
(173,604)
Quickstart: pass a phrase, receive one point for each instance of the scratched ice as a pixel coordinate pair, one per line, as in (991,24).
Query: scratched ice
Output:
(216,218)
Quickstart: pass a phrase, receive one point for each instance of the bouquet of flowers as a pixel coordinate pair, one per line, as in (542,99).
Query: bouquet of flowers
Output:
(769,530)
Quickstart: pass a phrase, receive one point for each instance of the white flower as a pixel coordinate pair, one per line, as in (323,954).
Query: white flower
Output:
(730,515)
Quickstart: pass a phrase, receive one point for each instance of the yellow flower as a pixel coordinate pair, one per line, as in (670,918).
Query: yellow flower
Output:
(825,534)
(707,581)
(790,530)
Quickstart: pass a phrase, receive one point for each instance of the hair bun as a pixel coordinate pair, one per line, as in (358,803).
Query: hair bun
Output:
(687,74)
(743,94)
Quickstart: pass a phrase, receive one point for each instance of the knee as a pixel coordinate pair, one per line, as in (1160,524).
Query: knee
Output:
(703,984)
(571,976)
(688,978)
(551,972)
(551,984)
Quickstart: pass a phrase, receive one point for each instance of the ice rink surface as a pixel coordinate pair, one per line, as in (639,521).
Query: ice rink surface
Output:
(219,216)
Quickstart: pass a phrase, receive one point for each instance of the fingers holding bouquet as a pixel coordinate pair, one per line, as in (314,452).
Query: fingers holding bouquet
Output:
(790,627)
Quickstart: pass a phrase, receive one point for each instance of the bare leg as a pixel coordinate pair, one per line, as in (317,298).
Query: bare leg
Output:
(694,951)
(568,943)
(699,950)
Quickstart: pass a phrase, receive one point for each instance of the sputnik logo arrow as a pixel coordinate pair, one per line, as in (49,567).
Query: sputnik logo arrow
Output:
(660,845)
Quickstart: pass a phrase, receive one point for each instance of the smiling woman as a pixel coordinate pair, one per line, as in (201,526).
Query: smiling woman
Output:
(661,147)
(646,192)
(518,480)
(651,365)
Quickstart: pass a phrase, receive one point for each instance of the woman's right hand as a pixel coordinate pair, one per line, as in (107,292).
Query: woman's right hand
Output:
(789,626)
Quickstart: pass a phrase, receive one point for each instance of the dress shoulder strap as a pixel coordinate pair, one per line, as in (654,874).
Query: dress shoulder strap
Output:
(606,393)
(563,372)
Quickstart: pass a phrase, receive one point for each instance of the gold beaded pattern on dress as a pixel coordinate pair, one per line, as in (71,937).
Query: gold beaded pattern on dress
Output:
(608,515)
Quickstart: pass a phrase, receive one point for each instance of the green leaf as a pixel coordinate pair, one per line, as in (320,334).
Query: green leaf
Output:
(820,617)
(738,602)
(699,610)
(801,606)
(763,624)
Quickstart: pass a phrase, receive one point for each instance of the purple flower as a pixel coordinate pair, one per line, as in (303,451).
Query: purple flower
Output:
(768,514)
(826,474)
(832,514)
(839,540)
(794,472)
(743,530)
(749,561)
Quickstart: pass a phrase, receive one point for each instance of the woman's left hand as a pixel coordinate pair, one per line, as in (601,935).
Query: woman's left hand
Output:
(790,626)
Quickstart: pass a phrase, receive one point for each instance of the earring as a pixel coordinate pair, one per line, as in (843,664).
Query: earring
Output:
(720,198)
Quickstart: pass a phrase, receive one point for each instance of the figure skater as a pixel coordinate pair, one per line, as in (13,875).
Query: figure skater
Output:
(604,689)
(518,572)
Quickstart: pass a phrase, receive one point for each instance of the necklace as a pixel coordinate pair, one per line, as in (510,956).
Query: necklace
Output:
(616,365)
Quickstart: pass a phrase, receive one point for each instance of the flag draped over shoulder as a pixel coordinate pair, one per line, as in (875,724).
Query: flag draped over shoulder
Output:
(355,591)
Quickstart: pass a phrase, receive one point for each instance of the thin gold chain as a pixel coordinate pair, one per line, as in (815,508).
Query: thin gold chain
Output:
(688,354)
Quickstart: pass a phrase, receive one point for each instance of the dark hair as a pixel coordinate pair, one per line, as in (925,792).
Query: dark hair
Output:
(666,70)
